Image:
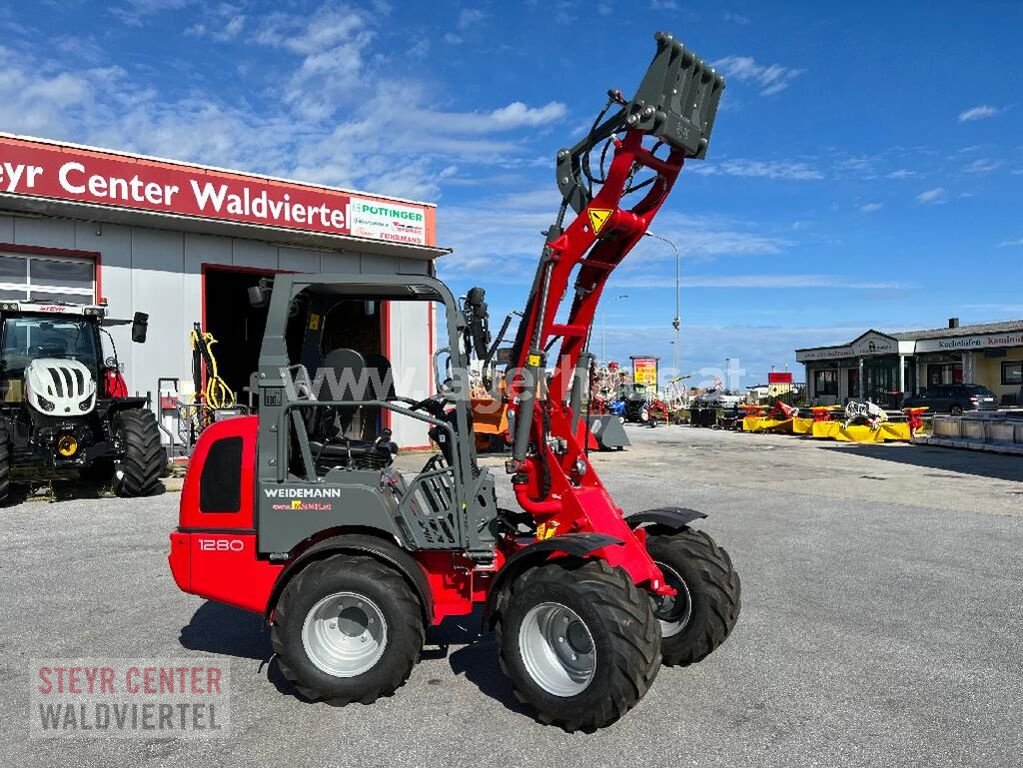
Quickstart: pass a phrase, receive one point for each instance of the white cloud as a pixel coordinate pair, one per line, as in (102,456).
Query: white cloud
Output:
(134,13)
(386,136)
(770,281)
(663,5)
(765,169)
(983,165)
(980,112)
(225,32)
(736,18)
(452,39)
(1011,243)
(467,17)
(932,196)
(500,239)
(871,207)
(771,78)
(901,173)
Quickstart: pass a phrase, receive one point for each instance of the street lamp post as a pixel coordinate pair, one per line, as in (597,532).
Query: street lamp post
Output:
(677,321)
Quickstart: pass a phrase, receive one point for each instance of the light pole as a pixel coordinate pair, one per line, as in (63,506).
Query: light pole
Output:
(603,330)
(676,322)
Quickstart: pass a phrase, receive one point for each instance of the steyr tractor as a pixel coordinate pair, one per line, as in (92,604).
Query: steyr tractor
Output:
(299,513)
(64,411)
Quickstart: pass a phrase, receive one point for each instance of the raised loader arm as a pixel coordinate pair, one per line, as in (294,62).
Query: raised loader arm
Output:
(668,121)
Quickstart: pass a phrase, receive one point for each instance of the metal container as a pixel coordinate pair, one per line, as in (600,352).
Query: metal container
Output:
(972,429)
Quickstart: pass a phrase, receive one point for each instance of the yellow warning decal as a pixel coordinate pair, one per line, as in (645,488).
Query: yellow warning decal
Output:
(546,531)
(598,218)
(314,321)
(533,360)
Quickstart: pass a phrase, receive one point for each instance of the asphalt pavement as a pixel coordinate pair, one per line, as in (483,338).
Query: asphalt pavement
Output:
(881,624)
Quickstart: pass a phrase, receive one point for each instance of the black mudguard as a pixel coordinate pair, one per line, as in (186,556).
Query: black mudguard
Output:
(359,543)
(669,517)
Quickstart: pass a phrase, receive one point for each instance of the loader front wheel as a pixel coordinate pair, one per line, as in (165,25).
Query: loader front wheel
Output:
(579,642)
(137,472)
(347,628)
(703,612)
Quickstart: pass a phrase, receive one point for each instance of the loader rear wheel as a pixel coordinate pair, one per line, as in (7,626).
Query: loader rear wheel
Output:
(579,642)
(700,617)
(347,628)
(5,465)
(137,472)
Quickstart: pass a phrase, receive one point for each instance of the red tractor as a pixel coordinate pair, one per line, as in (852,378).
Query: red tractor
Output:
(299,514)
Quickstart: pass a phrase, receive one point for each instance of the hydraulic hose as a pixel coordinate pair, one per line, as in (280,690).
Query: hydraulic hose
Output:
(216,393)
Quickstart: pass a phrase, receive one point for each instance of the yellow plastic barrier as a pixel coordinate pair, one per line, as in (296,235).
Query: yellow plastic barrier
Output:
(761,424)
(802,426)
(861,433)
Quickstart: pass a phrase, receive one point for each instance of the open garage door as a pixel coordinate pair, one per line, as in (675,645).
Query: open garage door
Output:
(238,326)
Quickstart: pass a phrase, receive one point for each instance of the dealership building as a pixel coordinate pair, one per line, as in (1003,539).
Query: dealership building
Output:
(882,366)
(184,243)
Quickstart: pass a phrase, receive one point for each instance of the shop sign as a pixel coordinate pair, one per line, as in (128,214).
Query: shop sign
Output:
(387,221)
(874,343)
(644,371)
(966,343)
(824,353)
(33,169)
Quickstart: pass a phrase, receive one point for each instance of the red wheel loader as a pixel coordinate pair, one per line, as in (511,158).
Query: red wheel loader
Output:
(298,512)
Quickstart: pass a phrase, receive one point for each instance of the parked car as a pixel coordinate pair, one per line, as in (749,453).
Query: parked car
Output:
(954,399)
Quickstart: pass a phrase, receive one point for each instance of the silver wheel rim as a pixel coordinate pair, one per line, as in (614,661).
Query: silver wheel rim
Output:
(344,634)
(557,649)
(677,610)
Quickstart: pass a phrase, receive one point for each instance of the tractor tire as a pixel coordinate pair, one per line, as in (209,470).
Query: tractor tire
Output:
(5,464)
(701,616)
(579,642)
(347,628)
(138,472)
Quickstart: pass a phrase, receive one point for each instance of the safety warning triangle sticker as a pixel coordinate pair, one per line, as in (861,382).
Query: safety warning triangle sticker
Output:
(598,218)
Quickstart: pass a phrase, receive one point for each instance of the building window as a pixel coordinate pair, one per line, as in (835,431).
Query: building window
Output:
(45,279)
(1012,372)
(825,383)
(944,373)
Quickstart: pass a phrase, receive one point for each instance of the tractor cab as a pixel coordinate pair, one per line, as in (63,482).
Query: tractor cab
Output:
(324,453)
(50,356)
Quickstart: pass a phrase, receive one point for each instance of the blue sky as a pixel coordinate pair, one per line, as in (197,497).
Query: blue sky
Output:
(866,167)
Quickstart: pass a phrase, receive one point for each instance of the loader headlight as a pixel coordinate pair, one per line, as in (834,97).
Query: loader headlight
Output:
(45,404)
(67,446)
(84,405)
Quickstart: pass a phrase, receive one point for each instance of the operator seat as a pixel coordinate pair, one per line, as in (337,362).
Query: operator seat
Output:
(330,445)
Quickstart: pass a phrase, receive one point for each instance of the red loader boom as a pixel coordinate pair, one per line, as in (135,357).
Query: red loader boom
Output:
(674,110)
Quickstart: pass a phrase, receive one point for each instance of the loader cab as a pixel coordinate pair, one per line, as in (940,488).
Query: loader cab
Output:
(324,453)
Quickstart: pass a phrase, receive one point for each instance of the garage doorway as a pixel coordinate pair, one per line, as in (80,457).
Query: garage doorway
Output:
(235,324)
(238,328)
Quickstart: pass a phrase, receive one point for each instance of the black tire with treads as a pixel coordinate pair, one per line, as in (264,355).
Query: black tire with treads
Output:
(625,635)
(138,472)
(380,584)
(713,588)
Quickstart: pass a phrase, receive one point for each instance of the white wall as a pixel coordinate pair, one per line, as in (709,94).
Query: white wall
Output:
(160,272)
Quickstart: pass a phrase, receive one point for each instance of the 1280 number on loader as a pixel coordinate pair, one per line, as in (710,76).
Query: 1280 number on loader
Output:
(299,513)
